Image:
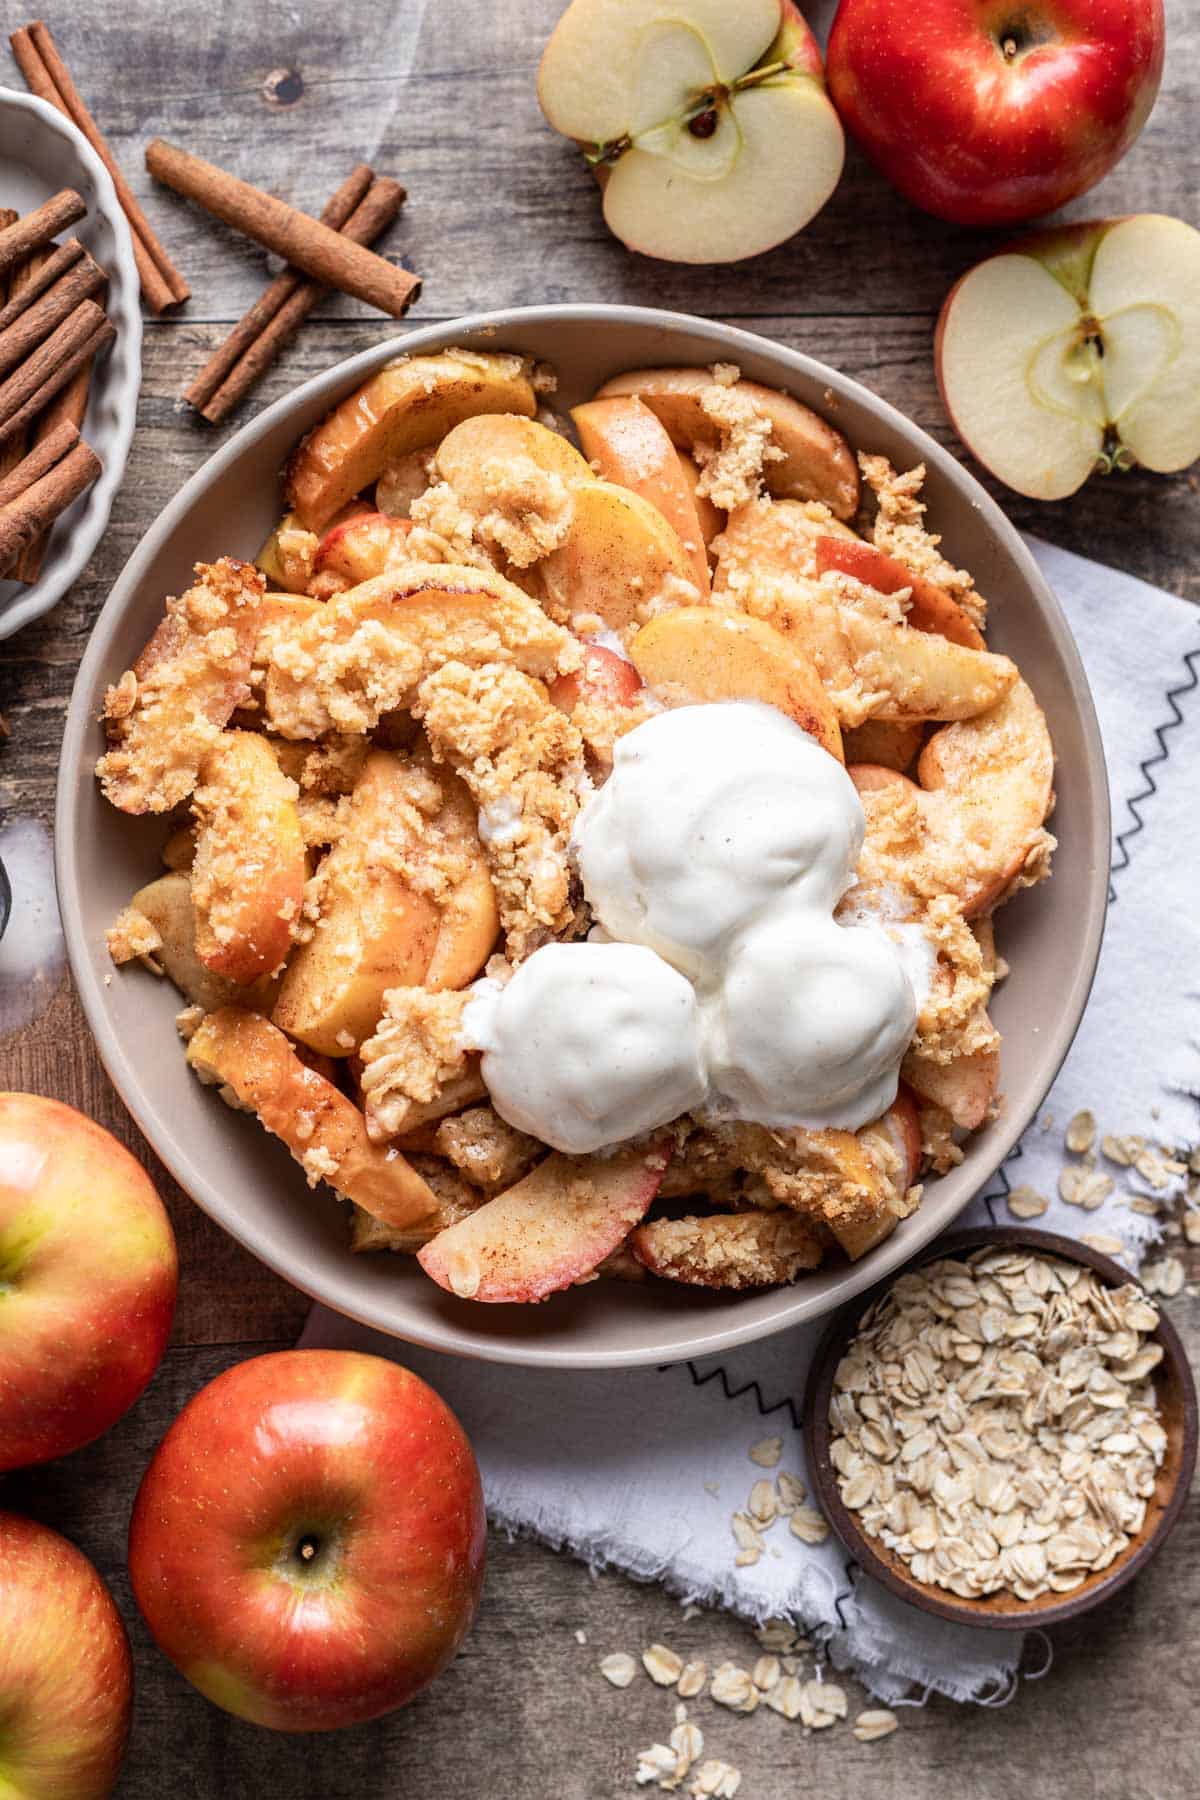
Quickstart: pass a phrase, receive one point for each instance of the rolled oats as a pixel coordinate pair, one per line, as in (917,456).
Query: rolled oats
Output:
(1081,1132)
(715,1780)
(662,1665)
(765,1673)
(767,1452)
(995,1421)
(732,1687)
(822,1703)
(784,1697)
(691,1681)
(876,1722)
(619,1668)
(808,1525)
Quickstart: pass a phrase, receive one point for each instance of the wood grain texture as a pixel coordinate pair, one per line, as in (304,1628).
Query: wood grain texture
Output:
(502,212)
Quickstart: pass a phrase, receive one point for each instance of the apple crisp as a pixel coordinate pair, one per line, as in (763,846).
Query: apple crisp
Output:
(372,749)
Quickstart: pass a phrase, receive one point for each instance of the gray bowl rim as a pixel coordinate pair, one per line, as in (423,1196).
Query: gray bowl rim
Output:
(692,1343)
(121,374)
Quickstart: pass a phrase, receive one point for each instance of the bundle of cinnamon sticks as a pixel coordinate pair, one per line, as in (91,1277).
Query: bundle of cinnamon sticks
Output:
(52,326)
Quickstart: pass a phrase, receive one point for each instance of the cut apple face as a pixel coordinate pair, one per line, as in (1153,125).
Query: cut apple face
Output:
(699,653)
(409,405)
(815,461)
(625,443)
(1078,351)
(619,561)
(708,123)
(549,1231)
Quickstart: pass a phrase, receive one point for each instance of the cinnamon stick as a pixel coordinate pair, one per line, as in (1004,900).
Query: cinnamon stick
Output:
(47,76)
(325,255)
(18,280)
(30,388)
(41,459)
(27,517)
(63,257)
(67,408)
(252,323)
(39,226)
(375,213)
(83,280)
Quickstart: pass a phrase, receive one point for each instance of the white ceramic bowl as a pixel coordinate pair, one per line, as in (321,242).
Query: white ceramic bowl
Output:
(248,1182)
(41,152)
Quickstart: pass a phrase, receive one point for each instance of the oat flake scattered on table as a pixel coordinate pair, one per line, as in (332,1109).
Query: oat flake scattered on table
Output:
(995,1423)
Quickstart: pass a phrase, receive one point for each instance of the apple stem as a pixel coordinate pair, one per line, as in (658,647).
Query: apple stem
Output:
(753,77)
(1009,47)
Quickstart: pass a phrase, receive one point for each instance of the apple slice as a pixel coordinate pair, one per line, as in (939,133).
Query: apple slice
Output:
(698,653)
(249,869)
(167,903)
(816,461)
(476,456)
(365,652)
(1077,350)
(708,123)
(711,519)
(602,677)
(965,1087)
(878,742)
(355,549)
(324,1131)
(550,1230)
(930,608)
(407,406)
(621,560)
(627,444)
(728,1250)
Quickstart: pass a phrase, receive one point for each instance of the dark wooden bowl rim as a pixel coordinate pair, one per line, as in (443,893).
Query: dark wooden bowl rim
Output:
(1003,1611)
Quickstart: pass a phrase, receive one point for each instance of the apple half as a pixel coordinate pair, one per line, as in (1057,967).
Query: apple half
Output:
(708,123)
(1076,351)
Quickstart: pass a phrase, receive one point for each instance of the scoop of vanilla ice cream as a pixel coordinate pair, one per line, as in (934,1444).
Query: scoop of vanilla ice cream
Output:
(589,1044)
(710,813)
(810,1024)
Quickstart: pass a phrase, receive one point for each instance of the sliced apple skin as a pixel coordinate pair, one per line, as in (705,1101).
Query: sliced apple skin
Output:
(550,1230)
(603,676)
(627,444)
(817,463)
(931,608)
(362,546)
(407,406)
(699,653)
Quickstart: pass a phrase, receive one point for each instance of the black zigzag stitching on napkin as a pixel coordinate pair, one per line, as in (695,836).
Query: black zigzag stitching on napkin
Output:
(1150,786)
(735,1393)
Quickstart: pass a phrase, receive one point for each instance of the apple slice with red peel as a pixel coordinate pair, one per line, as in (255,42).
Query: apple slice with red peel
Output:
(602,676)
(931,608)
(708,123)
(698,653)
(1075,351)
(361,546)
(625,443)
(550,1230)
(816,462)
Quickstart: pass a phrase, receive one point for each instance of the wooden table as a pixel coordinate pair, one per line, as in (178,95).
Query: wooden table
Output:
(502,212)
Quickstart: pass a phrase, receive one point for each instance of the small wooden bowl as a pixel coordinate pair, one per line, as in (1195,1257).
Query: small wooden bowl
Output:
(1003,1611)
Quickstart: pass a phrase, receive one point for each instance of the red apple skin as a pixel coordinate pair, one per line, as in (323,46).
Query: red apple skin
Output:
(975,138)
(351,1458)
(603,676)
(88,1273)
(66,1676)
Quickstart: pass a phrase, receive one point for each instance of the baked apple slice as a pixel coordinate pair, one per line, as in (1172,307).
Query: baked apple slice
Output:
(355,549)
(407,406)
(711,518)
(930,607)
(815,462)
(249,868)
(728,1250)
(699,653)
(325,1132)
(167,904)
(548,1231)
(375,930)
(620,561)
(602,678)
(626,444)
(163,715)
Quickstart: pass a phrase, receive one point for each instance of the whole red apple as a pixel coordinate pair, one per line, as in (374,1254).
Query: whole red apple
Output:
(989,112)
(307,1545)
(88,1273)
(66,1677)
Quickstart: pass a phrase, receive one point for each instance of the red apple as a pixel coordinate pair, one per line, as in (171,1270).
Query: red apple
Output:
(88,1273)
(361,546)
(989,112)
(307,1545)
(603,676)
(66,1677)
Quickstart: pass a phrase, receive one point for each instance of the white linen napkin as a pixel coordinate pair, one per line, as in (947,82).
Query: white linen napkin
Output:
(642,1469)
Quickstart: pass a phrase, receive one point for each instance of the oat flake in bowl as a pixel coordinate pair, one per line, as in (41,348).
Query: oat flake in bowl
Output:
(994,1422)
